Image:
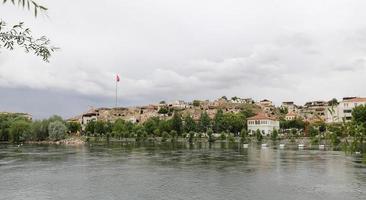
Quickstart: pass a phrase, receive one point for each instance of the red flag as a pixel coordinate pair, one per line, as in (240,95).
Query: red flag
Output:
(117,78)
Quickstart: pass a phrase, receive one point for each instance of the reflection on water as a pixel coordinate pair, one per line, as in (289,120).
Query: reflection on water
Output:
(177,171)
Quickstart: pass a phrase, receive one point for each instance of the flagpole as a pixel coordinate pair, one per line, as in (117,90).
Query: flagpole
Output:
(116,93)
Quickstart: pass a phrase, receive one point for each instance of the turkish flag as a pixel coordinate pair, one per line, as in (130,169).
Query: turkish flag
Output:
(117,78)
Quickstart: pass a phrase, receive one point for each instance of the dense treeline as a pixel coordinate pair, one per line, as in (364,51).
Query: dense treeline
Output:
(177,126)
(350,135)
(16,129)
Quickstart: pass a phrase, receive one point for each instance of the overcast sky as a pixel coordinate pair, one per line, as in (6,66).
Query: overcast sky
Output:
(185,49)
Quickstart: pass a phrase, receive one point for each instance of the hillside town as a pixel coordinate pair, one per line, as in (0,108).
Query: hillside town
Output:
(266,119)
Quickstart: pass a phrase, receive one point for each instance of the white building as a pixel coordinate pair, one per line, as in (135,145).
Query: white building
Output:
(343,112)
(263,123)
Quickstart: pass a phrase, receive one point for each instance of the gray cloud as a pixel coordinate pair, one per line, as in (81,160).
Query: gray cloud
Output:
(288,50)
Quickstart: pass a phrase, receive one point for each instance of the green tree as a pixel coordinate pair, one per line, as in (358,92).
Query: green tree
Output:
(100,128)
(151,125)
(57,130)
(359,115)
(218,121)
(90,127)
(211,138)
(177,123)
(20,130)
(204,122)
(119,128)
(274,135)
(163,110)
(244,136)
(73,127)
(259,135)
(189,124)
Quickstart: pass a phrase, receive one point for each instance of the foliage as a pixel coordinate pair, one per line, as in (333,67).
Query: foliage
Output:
(258,135)
(223,136)
(204,122)
(151,125)
(57,130)
(244,136)
(359,115)
(196,103)
(177,124)
(165,136)
(90,127)
(191,136)
(274,135)
(297,123)
(333,102)
(211,138)
(189,124)
(163,110)
(73,127)
(20,36)
(29,4)
(20,130)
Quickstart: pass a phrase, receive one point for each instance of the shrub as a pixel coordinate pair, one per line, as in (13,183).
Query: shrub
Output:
(57,130)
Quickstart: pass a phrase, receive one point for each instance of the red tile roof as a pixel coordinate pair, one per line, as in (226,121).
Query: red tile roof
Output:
(357,99)
(261,116)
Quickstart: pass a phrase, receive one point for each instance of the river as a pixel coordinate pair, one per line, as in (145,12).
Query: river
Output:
(177,171)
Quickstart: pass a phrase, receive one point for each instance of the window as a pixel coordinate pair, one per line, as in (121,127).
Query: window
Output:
(347,111)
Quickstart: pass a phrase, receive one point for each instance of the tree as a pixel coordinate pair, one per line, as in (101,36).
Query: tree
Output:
(177,123)
(196,103)
(224,97)
(218,121)
(100,128)
(19,36)
(119,128)
(189,124)
(211,138)
(359,115)
(90,127)
(204,122)
(274,135)
(244,136)
(258,135)
(57,130)
(73,127)
(20,131)
(151,125)
(163,110)
(333,102)
(40,130)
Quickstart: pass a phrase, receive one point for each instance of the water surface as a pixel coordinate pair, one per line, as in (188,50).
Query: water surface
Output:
(177,171)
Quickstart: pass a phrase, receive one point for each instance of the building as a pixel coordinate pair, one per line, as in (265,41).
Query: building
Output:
(263,123)
(343,111)
(290,106)
(290,116)
(314,110)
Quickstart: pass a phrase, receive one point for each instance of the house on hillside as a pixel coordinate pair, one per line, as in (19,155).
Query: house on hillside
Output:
(263,123)
(290,116)
(343,111)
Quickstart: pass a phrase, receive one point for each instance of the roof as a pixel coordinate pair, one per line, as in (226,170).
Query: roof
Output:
(356,99)
(291,114)
(261,116)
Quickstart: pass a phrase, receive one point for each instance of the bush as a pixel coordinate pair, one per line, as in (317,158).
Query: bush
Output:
(259,135)
(57,130)
(165,136)
(223,136)
(20,131)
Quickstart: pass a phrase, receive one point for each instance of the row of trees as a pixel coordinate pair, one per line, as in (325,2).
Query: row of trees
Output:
(16,129)
(177,124)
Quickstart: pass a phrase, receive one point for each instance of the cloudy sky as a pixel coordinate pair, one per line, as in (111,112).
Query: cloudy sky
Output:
(298,50)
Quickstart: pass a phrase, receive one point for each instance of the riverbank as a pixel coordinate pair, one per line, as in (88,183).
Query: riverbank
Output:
(68,141)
